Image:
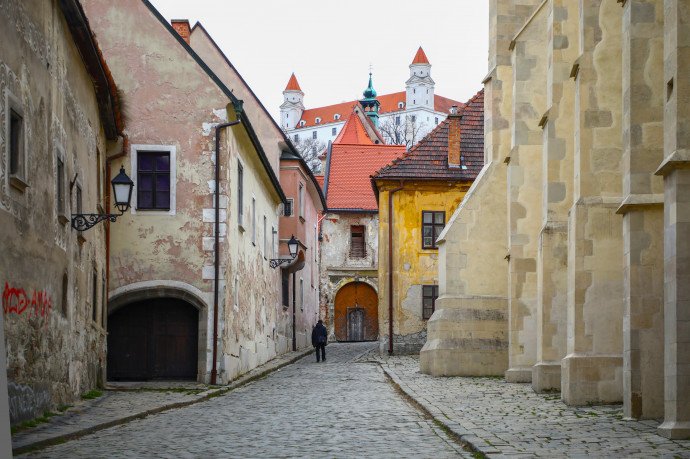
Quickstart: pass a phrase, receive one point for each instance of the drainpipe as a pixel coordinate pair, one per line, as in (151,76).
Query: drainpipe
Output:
(390,266)
(294,337)
(216,244)
(108,160)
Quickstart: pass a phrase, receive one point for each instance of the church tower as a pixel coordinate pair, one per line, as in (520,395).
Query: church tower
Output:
(370,105)
(293,104)
(420,87)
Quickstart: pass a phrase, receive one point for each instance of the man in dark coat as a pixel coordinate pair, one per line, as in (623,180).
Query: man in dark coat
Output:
(319,338)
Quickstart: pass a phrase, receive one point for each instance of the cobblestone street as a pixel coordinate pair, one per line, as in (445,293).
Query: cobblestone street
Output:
(351,411)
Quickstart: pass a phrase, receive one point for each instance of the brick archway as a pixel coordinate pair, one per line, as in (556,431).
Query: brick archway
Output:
(356,313)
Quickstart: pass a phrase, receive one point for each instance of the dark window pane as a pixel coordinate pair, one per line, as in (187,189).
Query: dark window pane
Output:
(145,199)
(428,290)
(162,183)
(426,217)
(438,217)
(437,231)
(162,200)
(426,231)
(163,163)
(428,242)
(145,163)
(145,182)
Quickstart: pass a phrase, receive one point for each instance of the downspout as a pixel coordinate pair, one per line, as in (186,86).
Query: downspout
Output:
(216,249)
(294,338)
(107,211)
(390,266)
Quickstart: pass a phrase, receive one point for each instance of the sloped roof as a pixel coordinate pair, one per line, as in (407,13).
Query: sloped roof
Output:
(389,103)
(292,84)
(429,158)
(351,166)
(420,57)
(358,129)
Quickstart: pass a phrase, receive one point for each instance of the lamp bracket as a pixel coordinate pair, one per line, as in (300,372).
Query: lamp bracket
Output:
(275,262)
(82,222)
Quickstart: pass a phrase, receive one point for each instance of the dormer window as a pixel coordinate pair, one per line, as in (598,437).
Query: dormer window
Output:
(401,104)
(302,123)
(317,120)
(336,117)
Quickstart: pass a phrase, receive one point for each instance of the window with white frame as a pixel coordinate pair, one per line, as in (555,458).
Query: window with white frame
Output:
(253,220)
(302,123)
(336,117)
(317,120)
(240,191)
(288,207)
(401,104)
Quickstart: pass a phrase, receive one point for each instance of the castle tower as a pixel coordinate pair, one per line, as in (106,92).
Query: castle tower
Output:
(370,105)
(420,86)
(293,104)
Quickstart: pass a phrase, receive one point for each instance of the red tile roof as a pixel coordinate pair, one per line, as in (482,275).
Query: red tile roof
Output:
(420,57)
(349,185)
(319,178)
(292,84)
(429,158)
(355,132)
(389,103)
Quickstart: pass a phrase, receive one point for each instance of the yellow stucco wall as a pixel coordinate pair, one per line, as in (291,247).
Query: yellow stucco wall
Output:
(413,266)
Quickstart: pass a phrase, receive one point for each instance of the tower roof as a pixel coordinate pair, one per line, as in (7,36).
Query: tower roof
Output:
(293,85)
(369,93)
(420,57)
(355,131)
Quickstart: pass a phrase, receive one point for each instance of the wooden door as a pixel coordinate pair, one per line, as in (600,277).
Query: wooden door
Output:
(357,295)
(154,339)
(355,324)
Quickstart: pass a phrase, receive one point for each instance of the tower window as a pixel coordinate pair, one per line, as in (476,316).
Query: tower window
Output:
(436,120)
(397,121)
(296,137)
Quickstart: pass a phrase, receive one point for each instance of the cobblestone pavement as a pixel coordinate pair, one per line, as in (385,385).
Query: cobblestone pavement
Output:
(510,420)
(344,407)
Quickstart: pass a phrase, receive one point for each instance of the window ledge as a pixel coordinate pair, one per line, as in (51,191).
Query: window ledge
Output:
(18,183)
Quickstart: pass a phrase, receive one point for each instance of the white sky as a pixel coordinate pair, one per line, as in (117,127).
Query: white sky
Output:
(329,45)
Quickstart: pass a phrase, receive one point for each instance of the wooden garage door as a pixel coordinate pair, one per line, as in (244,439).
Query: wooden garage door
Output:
(356,313)
(153,339)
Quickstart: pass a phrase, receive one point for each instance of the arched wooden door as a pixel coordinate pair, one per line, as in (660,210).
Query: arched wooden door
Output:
(356,313)
(153,339)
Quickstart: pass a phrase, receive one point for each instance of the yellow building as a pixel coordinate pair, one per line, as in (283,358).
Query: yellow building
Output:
(419,192)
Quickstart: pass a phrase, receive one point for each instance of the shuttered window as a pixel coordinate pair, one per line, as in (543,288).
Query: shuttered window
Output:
(357,247)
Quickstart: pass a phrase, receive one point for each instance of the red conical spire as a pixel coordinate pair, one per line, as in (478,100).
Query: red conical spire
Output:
(420,57)
(293,85)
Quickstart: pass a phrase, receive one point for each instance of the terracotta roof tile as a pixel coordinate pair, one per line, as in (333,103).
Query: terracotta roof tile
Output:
(420,57)
(429,158)
(353,132)
(389,103)
(292,84)
(349,185)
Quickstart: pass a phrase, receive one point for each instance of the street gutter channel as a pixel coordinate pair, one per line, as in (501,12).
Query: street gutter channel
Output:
(241,381)
(457,438)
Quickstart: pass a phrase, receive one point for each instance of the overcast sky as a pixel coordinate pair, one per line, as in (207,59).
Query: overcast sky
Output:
(329,45)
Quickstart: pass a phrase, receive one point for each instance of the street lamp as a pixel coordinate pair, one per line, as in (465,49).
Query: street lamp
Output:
(122,191)
(293,245)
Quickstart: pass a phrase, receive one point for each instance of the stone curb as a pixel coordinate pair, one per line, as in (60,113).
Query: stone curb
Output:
(253,375)
(476,443)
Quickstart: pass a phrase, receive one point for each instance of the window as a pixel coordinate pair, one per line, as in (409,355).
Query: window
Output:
(153,180)
(273,242)
(301,294)
(429,295)
(432,225)
(301,200)
(65,285)
(313,150)
(16,159)
(336,116)
(357,247)
(60,191)
(414,101)
(287,208)
(94,296)
(302,123)
(253,220)
(397,121)
(265,237)
(414,91)
(414,118)
(285,277)
(333,131)
(313,135)
(240,191)
(296,137)
(317,120)
(401,104)
(436,120)
(462,162)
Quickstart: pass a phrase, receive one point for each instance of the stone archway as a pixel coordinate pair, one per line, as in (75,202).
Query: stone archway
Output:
(356,313)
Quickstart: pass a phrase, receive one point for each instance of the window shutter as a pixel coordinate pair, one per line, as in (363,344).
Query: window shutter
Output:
(357,247)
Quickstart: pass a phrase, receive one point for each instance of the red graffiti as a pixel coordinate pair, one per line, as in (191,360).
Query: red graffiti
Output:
(16,300)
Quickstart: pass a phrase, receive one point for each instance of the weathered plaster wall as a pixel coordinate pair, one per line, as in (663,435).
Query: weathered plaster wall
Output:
(413,266)
(55,346)
(337,267)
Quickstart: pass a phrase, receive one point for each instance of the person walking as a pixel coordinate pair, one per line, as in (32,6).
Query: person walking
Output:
(319,338)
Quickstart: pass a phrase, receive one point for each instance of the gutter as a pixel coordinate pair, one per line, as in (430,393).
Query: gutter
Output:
(390,265)
(327,172)
(216,248)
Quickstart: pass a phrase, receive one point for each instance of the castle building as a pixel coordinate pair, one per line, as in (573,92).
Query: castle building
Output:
(402,117)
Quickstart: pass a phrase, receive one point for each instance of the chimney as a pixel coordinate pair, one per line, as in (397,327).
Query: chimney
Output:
(454,153)
(181,26)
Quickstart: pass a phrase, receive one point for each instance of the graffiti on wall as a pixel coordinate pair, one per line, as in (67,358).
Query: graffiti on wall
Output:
(25,402)
(17,301)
